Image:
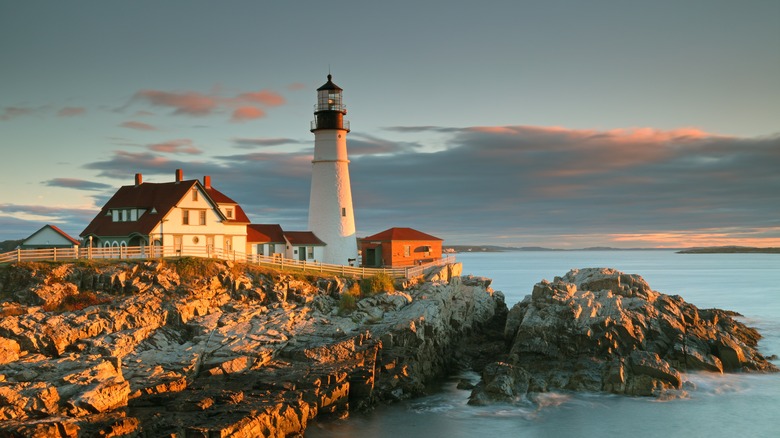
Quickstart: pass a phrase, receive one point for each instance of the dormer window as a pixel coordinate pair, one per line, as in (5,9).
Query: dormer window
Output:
(229,213)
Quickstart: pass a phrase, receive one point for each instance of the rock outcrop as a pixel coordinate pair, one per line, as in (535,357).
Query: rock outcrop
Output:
(603,330)
(208,348)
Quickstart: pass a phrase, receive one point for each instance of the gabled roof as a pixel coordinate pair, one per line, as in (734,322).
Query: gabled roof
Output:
(264,233)
(56,230)
(306,238)
(221,198)
(156,198)
(398,233)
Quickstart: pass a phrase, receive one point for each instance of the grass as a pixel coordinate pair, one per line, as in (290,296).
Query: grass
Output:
(348,300)
(379,283)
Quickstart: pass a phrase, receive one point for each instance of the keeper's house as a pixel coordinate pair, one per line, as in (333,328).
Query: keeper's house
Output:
(397,247)
(189,216)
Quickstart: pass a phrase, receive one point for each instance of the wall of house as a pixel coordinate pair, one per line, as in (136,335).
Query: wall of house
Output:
(293,252)
(47,238)
(194,237)
(394,252)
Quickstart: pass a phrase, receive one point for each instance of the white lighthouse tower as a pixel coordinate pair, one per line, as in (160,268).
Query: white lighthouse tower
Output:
(330,204)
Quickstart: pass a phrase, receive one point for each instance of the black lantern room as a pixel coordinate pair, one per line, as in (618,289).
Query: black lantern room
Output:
(329,111)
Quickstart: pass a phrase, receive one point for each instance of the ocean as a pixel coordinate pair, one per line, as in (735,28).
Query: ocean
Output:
(720,406)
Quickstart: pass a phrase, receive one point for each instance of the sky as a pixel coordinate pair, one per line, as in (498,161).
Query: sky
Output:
(562,124)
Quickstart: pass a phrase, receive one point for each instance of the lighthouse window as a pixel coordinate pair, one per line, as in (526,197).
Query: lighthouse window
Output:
(343,212)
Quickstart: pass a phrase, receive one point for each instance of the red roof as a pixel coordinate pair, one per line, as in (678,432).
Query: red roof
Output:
(221,198)
(264,233)
(62,233)
(157,199)
(400,234)
(303,238)
(56,230)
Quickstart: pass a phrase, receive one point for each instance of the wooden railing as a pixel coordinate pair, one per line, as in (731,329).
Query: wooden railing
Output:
(154,252)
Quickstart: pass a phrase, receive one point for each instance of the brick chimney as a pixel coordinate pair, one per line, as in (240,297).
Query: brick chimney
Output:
(179,175)
(207,181)
(138,179)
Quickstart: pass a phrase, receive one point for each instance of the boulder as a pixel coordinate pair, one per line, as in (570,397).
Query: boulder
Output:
(599,329)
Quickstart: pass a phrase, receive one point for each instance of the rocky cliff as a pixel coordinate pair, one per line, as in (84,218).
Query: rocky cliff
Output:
(206,348)
(603,330)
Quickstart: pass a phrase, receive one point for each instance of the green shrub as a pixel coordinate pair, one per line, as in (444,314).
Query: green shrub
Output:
(379,283)
(347,303)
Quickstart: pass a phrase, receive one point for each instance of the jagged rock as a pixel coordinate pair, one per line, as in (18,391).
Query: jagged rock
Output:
(228,353)
(603,330)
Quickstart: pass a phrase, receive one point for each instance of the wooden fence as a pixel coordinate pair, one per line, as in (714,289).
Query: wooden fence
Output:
(155,252)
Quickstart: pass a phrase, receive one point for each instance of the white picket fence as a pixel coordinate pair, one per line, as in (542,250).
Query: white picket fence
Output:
(155,252)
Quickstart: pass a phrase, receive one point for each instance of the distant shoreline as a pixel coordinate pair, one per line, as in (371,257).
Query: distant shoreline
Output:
(703,250)
(730,250)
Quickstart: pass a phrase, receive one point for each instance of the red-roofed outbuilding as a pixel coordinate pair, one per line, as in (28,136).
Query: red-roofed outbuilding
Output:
(399,247)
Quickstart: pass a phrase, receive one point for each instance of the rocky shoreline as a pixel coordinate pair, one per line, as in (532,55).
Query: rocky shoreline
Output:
(218,349)
(602,330)
(197,348)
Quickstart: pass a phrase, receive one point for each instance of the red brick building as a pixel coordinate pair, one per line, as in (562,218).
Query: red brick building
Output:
(399,247)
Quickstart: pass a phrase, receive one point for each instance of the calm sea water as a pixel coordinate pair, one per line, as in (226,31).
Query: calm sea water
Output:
(720,406)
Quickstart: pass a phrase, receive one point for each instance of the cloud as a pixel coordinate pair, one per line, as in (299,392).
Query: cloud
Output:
(123,165)
(71,111)
(532,186)
(11,112)
(18,221)
(245,113)
(189,102)
(364,144)
(296,86)
(263,97)
(140,126)
(251,143)
(180,146)
(78,184)
(242,106)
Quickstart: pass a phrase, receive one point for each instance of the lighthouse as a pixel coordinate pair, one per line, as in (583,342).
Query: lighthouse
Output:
(330,203)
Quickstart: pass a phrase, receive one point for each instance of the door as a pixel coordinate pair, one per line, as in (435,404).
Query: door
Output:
(302,253)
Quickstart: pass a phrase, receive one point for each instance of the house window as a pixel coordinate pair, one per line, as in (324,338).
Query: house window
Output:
(260,249)
(309,252)
(124,215)
(133,215)
(194,194)
(229,213)
(185,217)
(407,250)
(115,215)
(202,217)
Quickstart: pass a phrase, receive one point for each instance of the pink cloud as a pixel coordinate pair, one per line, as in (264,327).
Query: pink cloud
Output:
(190,102)
(14,111)
(245,113)
(264,97)
(138,125)
(296,86)
(181,146)
(70,111)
